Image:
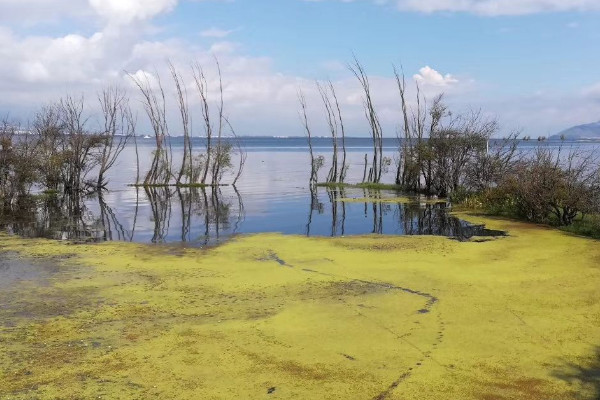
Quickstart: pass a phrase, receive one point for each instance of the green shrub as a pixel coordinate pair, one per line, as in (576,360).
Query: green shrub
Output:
(587,226)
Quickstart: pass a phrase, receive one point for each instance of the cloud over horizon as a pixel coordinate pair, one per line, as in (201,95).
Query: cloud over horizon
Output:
(488,7)
(39,67)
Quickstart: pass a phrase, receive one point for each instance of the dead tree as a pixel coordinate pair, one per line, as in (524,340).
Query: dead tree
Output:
(222,157)
(373,119)
(305,124)
(160,171)
(47,127)
(137,155)
(239,149)
(202,87)
(331,118)
(182,100)
(77,145)
(217,159)
(344,168)
(408,170)
(119,127)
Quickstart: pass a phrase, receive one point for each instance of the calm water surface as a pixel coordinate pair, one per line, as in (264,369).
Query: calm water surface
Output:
(273,195)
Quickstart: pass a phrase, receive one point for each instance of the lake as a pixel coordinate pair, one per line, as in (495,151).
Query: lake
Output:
(272,195)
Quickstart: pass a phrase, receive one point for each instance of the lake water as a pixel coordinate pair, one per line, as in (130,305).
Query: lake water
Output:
(272,195)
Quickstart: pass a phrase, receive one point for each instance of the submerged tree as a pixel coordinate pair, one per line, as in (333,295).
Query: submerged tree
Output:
(18,162)
(119,127)
(218,156)
(441,152)
(202,87)
(203,168)
(182,100)
(342,131)
(304,120)
(79,147)
(372,117)
(160,171)
(335,123)
(331,118)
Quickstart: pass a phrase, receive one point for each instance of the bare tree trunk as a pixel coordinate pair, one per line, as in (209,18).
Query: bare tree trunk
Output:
(202,86)
(137,160)
(373,119)
(304,119)
(365,171)
(119,127)
(332,123)
(241,152)
(344,167)
(219,157)
(185,121)
(160,170)
(78,145)
(406,143)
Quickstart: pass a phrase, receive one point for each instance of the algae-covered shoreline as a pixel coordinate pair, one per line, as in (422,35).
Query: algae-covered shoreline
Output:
(274,316)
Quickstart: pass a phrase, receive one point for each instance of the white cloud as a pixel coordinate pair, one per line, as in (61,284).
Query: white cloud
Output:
(592,92)
(499,7)
(258,99)
(334,66)
(29,12)
(216,33)
(490,7)
(223,47)
(429,76)
(127,11)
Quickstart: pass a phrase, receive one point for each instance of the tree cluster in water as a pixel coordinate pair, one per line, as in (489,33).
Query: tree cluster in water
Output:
(443,154)
(194,214)
(207,166)
(60,152)
(203,216)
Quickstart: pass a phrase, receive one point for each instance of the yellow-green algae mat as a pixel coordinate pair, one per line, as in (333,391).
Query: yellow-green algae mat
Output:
(273,316)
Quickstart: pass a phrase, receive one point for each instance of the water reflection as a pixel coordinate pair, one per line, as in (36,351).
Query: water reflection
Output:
(374,216)
(204,216)
(201,216)
(112,229)
(56,217)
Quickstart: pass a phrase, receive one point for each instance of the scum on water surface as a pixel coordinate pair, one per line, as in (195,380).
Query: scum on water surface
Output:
(275,316)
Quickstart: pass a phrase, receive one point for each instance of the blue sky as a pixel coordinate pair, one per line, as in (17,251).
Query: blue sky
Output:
(521,52)
(532,64)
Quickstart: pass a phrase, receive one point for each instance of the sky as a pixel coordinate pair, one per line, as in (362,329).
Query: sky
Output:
(530,64)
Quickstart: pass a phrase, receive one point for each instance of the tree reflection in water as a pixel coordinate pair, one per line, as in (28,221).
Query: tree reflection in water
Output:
(204,214)
(56,217)
(375,216)
(207,216)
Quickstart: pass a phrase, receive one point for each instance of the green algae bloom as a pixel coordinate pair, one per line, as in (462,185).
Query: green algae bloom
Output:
(394,200)
(274,316)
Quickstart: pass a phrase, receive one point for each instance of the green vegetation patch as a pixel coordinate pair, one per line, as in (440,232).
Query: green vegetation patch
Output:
(293,317)
(364,185)
(586,226)
(393,200)
(176,185)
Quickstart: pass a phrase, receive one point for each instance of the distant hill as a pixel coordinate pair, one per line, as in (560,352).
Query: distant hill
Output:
(580,132)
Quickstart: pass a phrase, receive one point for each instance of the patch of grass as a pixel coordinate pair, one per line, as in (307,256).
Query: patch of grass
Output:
(176,185)
(588,226)
(364,185)
(393,200)
(334,185)
(485,204)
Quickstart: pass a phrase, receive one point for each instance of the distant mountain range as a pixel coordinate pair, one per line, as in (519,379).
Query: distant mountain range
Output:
(580,132)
